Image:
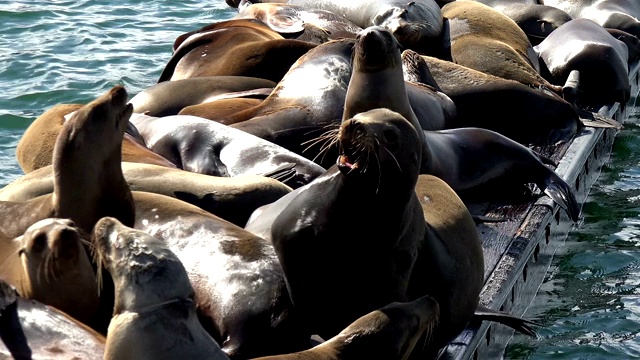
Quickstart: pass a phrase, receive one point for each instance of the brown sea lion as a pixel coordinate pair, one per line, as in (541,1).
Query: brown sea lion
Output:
(387,333)
(32,330)
(35,148)
(170,97)
(233,199)
(55,269)
(88,181)
(486,40)
(601,60)
(393,258)
(240,47)
(150,320)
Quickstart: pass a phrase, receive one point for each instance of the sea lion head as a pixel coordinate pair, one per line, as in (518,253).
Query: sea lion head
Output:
(146,274)
(391,332)
(99,124)
(57,269)
(380,144)
(376,49)
(407,24)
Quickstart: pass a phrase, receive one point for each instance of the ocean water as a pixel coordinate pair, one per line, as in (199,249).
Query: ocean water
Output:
(56,51)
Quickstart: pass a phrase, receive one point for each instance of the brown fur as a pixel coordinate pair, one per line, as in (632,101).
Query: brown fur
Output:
(237,47)
(220,108)
(35,148)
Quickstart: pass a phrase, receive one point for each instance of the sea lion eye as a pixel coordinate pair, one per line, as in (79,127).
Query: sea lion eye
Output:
(391,138)
(39,243)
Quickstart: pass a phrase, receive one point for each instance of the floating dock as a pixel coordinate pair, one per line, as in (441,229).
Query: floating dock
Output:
(518,251)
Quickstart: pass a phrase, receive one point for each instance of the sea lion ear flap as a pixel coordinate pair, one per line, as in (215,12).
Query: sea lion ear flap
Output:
(284,21)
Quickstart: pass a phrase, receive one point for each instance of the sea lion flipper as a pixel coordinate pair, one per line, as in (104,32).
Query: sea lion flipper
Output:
(282,173)
(558,190)
(596,120)
(517,323)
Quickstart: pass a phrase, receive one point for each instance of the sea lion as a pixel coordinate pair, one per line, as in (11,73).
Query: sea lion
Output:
(150,320)
(288,18)
(618,14)
(241,296)
(231,199)
(601,60)
(240,47)
(391,258)
(168,98)
(632,42)
(486,40)
(35,147)
(387,333)
(207,147)
(30,329)
(88,181)
(465,158)
(51,266)
(416,24)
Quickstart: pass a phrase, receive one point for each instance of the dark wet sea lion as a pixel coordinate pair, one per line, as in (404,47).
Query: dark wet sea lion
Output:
(88,181)
(30,329)
(373,184)
(632,42)
(618,14)
(387,333)
(35,148)
(288,18)
(231,199)
(392,258)
(601,60)
(416,24)
(241,47)
(241,296)
(486,40)
(207,147)
(168,98)
(150,320)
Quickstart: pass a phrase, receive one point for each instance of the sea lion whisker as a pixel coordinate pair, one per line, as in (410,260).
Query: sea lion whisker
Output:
(323,149)
(326,150)
(325,136)
(379,171)
(394,158)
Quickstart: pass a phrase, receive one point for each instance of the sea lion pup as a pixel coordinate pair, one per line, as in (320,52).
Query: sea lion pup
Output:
(30,329)
(35,147)
(207,147)
(168,98)
(486,40)
(233,199)
(150,319)
(288,18)
(465,158)
(395,257)
(387,333)
(240,47)
(56,269)
(601,60)
(88,181)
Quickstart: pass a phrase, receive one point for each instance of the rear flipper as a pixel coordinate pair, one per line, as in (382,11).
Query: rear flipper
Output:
(591,119)
(519,324)
(558,190)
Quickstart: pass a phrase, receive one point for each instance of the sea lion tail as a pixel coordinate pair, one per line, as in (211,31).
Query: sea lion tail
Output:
(591,119)
(558,190)
(517,323)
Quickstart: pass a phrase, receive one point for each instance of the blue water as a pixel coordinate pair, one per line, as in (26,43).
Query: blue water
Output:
(54,51)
